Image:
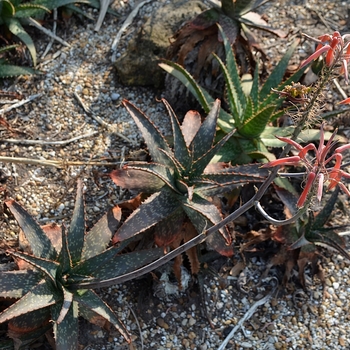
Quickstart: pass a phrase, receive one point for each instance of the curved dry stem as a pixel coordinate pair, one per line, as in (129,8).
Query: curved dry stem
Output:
(279,222)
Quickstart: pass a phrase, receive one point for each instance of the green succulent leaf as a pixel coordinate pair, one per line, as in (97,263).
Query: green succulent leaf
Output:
(277,74)
(14,284)
(225,121)
(66,305)
(65,257)
(76,231)
(66,332)
(248,112)
(90,300)
(229,178)
(42,295)
(9,70)
(153,137)
(231,74)
(155,208)
(27,10)
(127,262)
(235,104)
(324,215)
(94,263)
(181,151)
(186,78)
(200,164)
(7,8)
(39,242)
(203,215)
(48,267)
(98,238)
(268,136)
(15,27)
(254,126)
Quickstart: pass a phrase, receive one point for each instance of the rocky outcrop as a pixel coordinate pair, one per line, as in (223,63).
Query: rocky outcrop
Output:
(139,64)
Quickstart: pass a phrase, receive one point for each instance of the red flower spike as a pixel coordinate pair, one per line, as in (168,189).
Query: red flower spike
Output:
(337,50)
(282,161)
(315,55)
(310,181)
(316,169)
(345,102)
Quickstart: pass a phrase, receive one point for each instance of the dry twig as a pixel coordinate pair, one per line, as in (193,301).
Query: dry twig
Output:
(48,142)
(246,316)
(99,120)
(19,104)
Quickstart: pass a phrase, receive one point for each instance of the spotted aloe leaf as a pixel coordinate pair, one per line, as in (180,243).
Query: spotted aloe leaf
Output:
(89,300)
(23,329)
(226,179)
(125,263)
(159,206)
(203,214)
(48,267)
(199,165)
(153,137)
(39,242)
(66,331)
(87,267)
(12,286)
(40,296)
(183,134)
(98,238)
(77,227)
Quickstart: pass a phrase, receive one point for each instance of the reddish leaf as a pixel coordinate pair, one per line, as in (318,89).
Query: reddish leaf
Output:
(190,126)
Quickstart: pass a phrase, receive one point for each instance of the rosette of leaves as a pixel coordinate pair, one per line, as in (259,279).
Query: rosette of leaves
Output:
(250,109)
(236,18)
(301,241)
(181,181)
(14,15)
(59,258)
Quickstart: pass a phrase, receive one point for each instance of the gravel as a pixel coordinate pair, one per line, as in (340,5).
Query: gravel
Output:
(291,319)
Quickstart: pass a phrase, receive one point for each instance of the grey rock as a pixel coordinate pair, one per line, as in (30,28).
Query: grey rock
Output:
(139,64)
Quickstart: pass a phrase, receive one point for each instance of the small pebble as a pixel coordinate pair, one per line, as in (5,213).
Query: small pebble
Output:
(115,96)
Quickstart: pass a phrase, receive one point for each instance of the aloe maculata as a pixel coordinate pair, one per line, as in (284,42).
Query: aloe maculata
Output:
(61,257)
(181,180)
(303,239)
(236,18)
(250,109)
(14,15)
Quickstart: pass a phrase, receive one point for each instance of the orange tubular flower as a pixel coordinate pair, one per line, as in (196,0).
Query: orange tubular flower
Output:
(337,50)
(316,170)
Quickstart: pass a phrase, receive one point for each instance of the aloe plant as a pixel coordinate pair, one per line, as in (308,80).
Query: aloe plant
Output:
(181,180)
(250,109)
(236,18)
(14,15)
(304,238)
(9,70)
(60,257)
